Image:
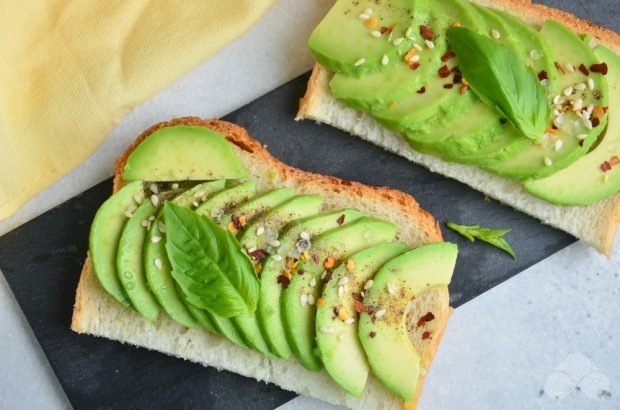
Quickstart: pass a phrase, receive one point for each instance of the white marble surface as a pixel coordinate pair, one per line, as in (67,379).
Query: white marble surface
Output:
(534,337)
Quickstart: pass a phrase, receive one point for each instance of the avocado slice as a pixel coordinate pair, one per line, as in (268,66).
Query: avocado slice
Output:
(268,225)
(254,207)
(383,333)
(584,182)
(292,245)
(218,204)
(178,153)
(156,263)
(340,53)
(336,332)
(328,248)
(129,261)
(539,160)
(105,233)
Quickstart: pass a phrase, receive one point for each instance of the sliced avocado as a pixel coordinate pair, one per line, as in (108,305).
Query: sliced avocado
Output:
(546,158)
(215,324)
(584,182)
(183,152)
(156,263)
(195,314)
(509,144)
(383,329)
(340,53)
(292,246)
(336,332)
(105,233)
(268,225)
(327,249)
(129,261)
(253,207)
(218,204)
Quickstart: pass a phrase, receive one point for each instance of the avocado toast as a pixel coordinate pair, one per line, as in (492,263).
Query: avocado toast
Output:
(311,243)
(434,113)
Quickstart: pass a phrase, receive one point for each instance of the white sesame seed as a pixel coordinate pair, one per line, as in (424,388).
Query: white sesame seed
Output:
(559,120)
(556,112)
(323,275)
(196,204)
(414,58)
(385,60)
(252,249)
(496,35)
(568,91)
(585,114)
(154,189)
(556,99)
(376,33)
(408,32)
(390,36)
(340,291)
(364,16)
(391,288)
(429,44)
(145,222)
(398,41)
(154,200)
(260,230)
(274,242)
(359,62)
(577,104)
(158,263)
(311,299)
(590,84)
(558,145)
(570,68)
(152,218)
(131,208)
(303,299)
(362,293)
(580,86)
(582,137)
(587,123)
(548,161)
(590,108)
(155,239)
(313,282)
(349,321)
(162,227)
(277,257)
(138,198)
(343,281)
(380,313)
(327,330)
(544,82)
(368,284)
(417,47)
(175,186)
(128,214)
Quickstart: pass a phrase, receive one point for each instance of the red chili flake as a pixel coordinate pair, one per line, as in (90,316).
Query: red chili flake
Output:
(315,258)
(335,310)
(599,68)
(447,55)
(371,310)
(614,160)
(422,90)
(559,67)
(605,110)
(425,335)
(284,281)
(357,296)
(383,30)
(543,75)
(372,334)
(392,27)
(598,94)
(301,271)
(595,122)
(581,143)
(414,66)
(458,78)
(605,166)
(426,32)
(443,71)
(359,306)
(425,318)
(340,219)
(258,255)
(236,223)
(448,86)
(373,320)
(584,70)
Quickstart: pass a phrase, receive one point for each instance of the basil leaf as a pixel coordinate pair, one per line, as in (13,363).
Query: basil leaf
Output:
(209,264)
(494,237)
(498,76)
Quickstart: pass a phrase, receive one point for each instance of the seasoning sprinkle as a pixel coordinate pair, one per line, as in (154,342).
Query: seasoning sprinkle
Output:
(303,299)
(340,291)
(380,313)
(175,186)
(570,68)
(154,200)
(590,84)
(496,35)
(359,62)
(155,239)
(385,60)
(276,257)
(417,47)
(327,330)
(558,145)
(548,161)
(162,227)
(260,230)
(313,282)
(398,41)
(349,321)
(154,189)
(391,288)
(376,33)
(429,44)
(311,299)
(368,284)
(568,91)
(158,263)
(580,87)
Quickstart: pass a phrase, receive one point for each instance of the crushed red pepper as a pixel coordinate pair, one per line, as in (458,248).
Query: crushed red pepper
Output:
(258,255)
(608,165)
(372,334)
(443,71)
(599,68)
(359,306)
(426,335)
(559,67)
(448,86)
(447,55)
(426,32)
(414,66)
(340,219)
(425,319)
(584,70)
(422,90)
(383,30)
(284,281)
(543,75)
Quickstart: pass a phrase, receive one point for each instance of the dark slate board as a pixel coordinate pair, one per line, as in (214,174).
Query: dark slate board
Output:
(42,259)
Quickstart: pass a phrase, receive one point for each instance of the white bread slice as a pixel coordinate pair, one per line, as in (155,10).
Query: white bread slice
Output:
(595,224)
(96,313)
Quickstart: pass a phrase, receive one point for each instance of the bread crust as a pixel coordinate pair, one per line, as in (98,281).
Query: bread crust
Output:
(92,303)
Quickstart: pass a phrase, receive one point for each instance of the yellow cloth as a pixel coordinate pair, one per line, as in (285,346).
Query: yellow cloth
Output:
(71,68)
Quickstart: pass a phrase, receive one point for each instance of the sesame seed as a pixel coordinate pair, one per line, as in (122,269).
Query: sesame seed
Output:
(556,99)
(252,249)
(303,299)
(391,288)
(274,242)
(260,231)
(153,188)
(582,137)
(368,284)
(311,299)
(398,41)
(128,214)
(364,16)
(162,227)
(359,62)
(429,44)
(590,84)
(590,108)
(587,123)
(144,222)
(580,86)
(304,235)
(556,112)
(362,293)
(568,91)
(544,82)
(155,239)
(196,204)
(385,60)
(313,282)
(152,218)
(558,145)
(138,198)
(343,281)
(340,291)
(158,263)
(548,161)
(349,321)
(154,200)
(323,275)
(131,208)
(376,33)
(414,58)
(327,330)
(408,32)
(417,47)
(577,104)
(277,257)
(175,186)
(570,68)
(380,313)
(496,35)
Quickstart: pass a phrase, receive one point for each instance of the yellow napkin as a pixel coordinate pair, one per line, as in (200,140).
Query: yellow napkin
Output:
(71,68)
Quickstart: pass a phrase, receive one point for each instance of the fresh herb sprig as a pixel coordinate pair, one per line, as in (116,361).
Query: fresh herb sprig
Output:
(494,237)
(502,80)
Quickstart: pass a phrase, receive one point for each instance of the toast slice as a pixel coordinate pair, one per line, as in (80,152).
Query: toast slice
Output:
(595,224)
(98,314)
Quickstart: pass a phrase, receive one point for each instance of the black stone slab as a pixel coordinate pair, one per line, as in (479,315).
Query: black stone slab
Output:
(42,259)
